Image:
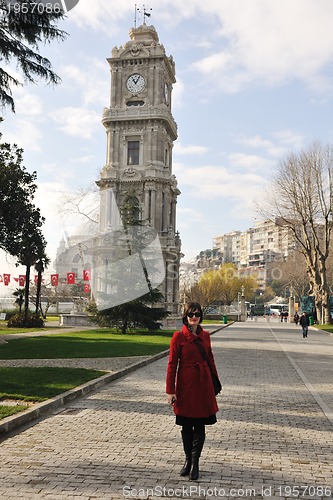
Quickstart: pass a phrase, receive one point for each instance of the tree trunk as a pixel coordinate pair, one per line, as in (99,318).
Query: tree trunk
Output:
(26,297)
(124,326)
(39,285)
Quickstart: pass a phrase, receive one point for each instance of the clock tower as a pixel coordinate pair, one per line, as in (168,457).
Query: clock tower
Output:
(140,132)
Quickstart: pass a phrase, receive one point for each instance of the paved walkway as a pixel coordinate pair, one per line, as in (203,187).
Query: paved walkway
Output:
(273,438)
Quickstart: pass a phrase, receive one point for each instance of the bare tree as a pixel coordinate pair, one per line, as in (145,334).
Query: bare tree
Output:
(84,204)
(289,275)
(302,196)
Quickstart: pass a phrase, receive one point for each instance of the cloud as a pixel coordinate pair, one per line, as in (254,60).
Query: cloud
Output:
(249,162)
(92,82)
(100,15)
(28,104)
(79,122)
(292,140)
(189,150)
(280,143)
(24,133)
(255,141)
(271,43)
(188,216)
(83,159)
(214,182)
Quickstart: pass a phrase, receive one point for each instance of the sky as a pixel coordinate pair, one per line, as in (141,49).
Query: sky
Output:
(254,83)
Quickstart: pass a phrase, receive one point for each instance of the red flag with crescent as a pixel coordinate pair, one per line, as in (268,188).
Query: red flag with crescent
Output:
(6,279)
(21,280)
(86,288)
(54,279)
(70,278)
(86,275)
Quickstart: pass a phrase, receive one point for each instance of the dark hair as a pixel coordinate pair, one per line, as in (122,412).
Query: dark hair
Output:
(190,307)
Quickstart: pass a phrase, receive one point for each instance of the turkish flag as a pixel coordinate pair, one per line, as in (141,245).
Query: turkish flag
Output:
(21,280)
(86,275)
(70,278)
(54,279)
(6,279)
(86,288)
(36,279)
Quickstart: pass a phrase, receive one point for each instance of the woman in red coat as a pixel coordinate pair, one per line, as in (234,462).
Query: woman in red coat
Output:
(189,386)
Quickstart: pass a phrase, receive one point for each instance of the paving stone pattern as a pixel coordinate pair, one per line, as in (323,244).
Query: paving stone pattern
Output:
(273,438)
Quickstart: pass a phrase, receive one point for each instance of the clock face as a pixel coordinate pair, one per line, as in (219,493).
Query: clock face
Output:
(166,92)
(135,83)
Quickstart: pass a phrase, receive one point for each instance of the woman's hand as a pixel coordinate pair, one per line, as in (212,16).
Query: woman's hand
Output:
(171,398)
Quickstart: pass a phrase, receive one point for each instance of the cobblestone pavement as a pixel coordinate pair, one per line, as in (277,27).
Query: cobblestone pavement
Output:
(273,438)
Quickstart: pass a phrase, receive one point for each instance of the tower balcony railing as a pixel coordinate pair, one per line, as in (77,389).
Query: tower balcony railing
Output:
(153,112)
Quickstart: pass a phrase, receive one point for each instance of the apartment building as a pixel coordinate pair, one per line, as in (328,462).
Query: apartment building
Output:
(252,249)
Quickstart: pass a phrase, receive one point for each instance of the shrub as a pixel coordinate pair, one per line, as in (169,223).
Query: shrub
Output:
(10,312)
(32,321)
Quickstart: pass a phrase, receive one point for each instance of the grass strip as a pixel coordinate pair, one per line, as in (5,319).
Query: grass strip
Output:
(7,411)
(87,344)
(325,328)
(39,384)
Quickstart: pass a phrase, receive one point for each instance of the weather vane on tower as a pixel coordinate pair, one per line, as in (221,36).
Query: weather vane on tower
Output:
(143,12)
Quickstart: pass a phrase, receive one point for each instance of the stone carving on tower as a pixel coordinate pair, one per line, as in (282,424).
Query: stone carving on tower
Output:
(140,132)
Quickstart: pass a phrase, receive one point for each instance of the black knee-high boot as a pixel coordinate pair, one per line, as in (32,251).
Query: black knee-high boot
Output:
(187,437)
(198,442)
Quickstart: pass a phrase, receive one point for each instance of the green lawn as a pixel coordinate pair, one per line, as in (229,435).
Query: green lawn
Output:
(7,411)
(38,384)
(86,344)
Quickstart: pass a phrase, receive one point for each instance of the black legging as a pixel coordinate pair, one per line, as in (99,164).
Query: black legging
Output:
(194,429)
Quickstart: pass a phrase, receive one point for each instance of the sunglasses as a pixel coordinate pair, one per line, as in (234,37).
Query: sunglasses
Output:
(197,315)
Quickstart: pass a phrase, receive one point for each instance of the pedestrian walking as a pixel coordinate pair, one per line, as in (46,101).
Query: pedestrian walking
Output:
(304,322)
(296,318)
(189,385)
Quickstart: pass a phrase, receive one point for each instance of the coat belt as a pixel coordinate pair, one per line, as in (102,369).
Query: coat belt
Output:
(200,365)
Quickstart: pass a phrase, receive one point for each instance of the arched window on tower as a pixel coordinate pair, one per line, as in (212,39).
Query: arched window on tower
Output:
(130,212)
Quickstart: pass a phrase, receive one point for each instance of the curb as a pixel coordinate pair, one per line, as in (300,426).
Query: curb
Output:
(14,422)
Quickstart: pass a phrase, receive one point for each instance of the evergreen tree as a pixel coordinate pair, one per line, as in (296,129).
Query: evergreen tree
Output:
(20,219)
(139,313)
(23,28)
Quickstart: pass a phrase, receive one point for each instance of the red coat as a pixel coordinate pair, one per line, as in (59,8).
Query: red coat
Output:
(188,375)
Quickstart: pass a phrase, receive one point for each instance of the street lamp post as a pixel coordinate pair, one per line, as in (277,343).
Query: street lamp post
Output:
(243,317)
(291,305)
(238,302)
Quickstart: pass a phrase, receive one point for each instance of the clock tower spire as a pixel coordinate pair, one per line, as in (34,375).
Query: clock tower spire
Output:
(140,131)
